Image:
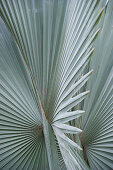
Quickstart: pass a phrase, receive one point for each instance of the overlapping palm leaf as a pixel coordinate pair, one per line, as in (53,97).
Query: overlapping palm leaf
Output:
(41,71)
(97,136)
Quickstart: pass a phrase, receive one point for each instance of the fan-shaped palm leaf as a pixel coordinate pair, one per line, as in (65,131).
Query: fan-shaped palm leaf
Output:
(40,68)
(97,136)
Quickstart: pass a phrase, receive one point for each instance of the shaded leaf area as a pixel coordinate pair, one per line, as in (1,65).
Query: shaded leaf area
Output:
(42,72)
(97,137)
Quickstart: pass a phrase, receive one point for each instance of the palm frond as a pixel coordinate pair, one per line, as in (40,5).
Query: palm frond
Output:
(97,136)
(41,69)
